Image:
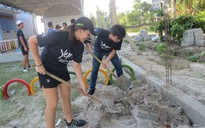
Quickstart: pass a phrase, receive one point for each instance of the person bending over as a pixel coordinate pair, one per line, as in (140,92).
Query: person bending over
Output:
(61,47)
(107,44)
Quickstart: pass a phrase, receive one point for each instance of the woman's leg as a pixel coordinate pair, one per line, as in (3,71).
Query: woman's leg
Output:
(51,95)
(65,97)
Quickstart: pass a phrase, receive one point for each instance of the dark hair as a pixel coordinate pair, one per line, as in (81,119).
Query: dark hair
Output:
(72,21)
(64,23)
(57,26)
(118,30)
(50,24)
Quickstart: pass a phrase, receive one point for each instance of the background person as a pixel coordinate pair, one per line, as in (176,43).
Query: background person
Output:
(22,42)
(64,26)
(72,21)
(50,27)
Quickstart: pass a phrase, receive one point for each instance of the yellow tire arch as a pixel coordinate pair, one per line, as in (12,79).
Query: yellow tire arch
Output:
(101,70)
(32,84)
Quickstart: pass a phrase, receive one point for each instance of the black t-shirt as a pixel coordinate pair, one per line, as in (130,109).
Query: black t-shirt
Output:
(59,49)
(103,43)
(18,34)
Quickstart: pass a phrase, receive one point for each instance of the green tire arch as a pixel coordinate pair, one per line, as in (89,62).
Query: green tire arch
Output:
(1,94)
(123,66)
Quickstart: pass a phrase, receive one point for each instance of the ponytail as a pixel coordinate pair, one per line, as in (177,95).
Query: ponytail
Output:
(71,32)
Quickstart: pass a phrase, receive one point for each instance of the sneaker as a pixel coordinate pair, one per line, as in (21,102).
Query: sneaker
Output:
(29,67)
(75,123)
(25,70)
(91,92)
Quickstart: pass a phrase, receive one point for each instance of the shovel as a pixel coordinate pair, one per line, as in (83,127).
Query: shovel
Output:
(106,103)
(122,82)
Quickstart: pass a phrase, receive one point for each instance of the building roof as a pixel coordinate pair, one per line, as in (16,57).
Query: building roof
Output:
(47,8)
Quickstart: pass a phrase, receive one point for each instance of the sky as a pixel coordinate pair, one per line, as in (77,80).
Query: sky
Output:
(121,5)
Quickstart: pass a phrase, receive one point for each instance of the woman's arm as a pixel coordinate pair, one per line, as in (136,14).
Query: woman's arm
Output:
(78,71)
(33,43)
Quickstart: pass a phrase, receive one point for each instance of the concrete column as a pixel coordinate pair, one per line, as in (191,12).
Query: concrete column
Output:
(34,23)
(113,14)
(82,7)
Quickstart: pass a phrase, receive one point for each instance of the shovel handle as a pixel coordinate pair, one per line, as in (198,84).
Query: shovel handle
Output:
(86,48)
(77,89)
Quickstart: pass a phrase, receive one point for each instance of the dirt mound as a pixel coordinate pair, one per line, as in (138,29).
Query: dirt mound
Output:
(143,107)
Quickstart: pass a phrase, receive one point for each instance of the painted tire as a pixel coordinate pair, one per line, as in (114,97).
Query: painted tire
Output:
(6,96)
(32,84)
(89,71)
(1,94)
(123,66)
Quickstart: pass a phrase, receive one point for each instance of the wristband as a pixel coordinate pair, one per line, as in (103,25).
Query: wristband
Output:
(39,65)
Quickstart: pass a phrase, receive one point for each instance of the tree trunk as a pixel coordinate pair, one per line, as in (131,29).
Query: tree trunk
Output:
(173,3)
(160,35)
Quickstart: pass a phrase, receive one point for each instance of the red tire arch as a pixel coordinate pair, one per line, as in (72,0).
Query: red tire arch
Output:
(6,96)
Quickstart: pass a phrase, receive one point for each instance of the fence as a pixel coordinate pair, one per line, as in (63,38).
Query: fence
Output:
(8,45)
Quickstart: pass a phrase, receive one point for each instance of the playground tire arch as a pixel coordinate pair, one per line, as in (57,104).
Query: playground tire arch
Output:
(1,94)
(89,71)
(123,66)
(32,84)
(6,96)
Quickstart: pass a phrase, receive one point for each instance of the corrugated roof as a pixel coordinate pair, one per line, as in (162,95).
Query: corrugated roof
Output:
(47,8)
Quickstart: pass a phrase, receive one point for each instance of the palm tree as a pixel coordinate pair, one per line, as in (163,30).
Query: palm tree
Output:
(192,6)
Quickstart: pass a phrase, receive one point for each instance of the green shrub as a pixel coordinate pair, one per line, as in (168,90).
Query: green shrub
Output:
(194,58)
(160,48)
(185,22)
(185,53)
(141,47)
(177,31)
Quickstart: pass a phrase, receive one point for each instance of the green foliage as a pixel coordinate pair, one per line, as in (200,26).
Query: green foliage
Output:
(159,25)
(159,13)
(194,58)
(160,48)
(141,47)
(132,29)
(177,31)
(141,13)
(190,7)
(185,22)
(185,53)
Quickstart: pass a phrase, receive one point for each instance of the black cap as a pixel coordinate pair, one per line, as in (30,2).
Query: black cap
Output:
(86,23)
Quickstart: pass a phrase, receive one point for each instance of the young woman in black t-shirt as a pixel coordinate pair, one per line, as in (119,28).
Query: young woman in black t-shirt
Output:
(60,48)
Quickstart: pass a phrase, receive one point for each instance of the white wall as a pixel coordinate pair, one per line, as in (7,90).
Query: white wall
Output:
(28,29)
(59,20)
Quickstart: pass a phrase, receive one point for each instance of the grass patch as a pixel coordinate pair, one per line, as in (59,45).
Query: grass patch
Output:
(12,70)
(19,105)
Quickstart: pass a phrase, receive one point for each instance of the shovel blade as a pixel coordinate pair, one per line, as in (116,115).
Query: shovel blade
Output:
(123,83)
(111,107)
